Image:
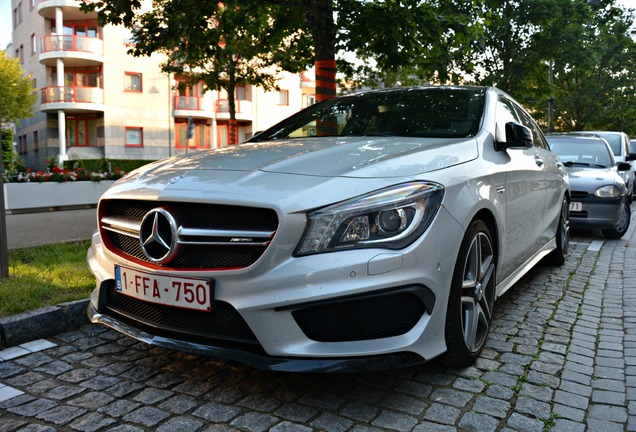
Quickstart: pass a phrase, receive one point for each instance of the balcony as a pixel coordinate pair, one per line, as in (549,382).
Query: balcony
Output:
(72,99)
(243,110)
(74,50)
(193,106)
(70,9)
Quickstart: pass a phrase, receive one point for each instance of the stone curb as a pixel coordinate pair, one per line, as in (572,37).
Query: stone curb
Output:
(41,323)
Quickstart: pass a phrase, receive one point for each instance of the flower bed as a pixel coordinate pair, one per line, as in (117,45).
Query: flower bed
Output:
(56,174)
(26,190)
(44,196)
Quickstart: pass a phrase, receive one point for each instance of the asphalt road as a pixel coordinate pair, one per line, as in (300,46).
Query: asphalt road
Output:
(36,229)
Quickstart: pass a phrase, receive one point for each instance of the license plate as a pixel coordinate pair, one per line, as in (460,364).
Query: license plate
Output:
(576,206)
(189,293)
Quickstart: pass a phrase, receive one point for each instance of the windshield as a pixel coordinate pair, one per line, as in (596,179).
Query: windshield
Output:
(593,153)
(418,112)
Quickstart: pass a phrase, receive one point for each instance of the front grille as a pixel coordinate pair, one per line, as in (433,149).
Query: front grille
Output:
(222,326)
(362,318)
(578,215)
(578,195)
(211,236)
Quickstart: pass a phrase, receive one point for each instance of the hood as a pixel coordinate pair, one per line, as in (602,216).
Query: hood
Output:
(335,157)
(583,178)
(281,171)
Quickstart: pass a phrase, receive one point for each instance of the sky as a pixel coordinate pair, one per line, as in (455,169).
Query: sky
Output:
(5,19)
(5,23)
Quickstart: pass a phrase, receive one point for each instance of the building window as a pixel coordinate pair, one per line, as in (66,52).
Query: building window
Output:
(36,141)
(134,137)
(82,77)
(17,15)
(132,82)
(34,44)
(308,99)
(184,89)
(82,28)
(244,93)
(21,54)
(283,97)
(201,138)
(81,131)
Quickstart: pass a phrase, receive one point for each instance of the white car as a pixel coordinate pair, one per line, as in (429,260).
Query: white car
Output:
(622,148)
(369,231)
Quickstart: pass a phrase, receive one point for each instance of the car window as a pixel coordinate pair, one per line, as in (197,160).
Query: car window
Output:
(505,111)
(586,152)
(537,135)
(420,112)
(615,142)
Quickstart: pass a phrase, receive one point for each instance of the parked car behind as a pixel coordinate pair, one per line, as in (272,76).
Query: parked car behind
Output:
(622,149)
(368,231)
(599,194)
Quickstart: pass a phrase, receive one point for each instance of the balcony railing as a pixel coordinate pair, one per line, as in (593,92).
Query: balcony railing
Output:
(241,106)
(188,103)
(76,94)
(72,43)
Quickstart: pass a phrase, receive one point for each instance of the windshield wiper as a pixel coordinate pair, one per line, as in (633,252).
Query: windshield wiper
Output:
(595,165)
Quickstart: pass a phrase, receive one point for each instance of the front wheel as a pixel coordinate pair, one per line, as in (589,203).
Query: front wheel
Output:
(622,225)
(471,298)
(557,256)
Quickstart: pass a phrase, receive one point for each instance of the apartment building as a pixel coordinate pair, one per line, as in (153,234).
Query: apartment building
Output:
(97,101)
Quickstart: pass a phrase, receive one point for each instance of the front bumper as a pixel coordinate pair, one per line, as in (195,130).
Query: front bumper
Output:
(323,312)
(598,214)
(263,362)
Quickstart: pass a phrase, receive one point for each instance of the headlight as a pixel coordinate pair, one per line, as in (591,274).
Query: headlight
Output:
(610,191)
(390,218)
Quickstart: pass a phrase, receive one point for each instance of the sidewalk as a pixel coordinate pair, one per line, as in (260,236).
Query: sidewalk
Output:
(36,229)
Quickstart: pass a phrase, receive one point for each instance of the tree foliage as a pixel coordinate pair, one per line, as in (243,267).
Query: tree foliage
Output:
(591,49)
(17,96)
(407,41)
(509,44)
(220,44)
(393,40)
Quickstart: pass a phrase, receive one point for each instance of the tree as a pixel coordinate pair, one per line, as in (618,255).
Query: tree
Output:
(432,42)
(589,46)
(18,96)
(412,40)
(220,44)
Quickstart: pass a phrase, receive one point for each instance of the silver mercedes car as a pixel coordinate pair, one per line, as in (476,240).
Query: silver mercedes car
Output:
(366,232)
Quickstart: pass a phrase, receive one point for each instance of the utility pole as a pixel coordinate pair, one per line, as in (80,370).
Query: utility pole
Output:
(4,250)
(551,100)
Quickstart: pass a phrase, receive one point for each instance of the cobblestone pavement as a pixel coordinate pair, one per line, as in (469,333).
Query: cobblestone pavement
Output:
(561,357)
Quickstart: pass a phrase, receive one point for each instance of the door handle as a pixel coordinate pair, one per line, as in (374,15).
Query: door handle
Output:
(538,161)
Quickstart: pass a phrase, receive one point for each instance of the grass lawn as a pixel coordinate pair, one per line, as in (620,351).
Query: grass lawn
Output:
(45,276)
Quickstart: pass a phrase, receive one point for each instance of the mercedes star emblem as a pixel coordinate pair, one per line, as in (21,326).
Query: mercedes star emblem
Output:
(158,235)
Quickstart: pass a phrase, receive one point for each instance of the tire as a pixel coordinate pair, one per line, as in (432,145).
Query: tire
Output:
(471,298)
(623,224)
(557,257)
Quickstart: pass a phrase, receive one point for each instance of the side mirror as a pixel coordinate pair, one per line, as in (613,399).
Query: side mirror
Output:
(630,157)
(623,166)
(517,137)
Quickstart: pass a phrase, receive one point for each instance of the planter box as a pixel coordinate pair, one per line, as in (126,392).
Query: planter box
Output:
(30,197)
